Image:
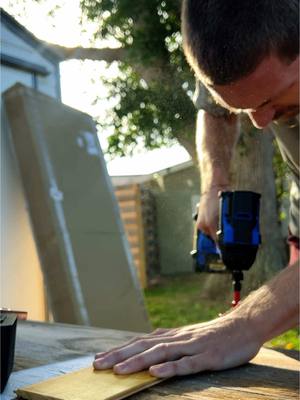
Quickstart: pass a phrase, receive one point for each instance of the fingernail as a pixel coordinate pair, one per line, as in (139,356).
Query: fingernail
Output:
(119,368)
(101,364)
(99,355)
(160,372)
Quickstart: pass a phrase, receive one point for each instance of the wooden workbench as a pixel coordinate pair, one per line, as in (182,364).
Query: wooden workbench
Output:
(276,376)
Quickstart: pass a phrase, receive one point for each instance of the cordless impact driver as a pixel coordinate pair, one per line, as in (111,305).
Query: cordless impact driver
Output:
(238,239)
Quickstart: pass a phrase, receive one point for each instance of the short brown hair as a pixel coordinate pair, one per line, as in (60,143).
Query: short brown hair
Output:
(227,39)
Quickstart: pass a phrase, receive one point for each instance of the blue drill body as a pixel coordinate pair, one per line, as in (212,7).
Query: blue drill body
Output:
(207,256)
(238,233)
(238,237)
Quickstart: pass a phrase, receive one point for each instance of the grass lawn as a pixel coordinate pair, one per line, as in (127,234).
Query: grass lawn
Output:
(177,301)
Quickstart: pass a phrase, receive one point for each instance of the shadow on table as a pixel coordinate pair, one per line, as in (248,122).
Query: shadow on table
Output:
(295,354)
(252,381)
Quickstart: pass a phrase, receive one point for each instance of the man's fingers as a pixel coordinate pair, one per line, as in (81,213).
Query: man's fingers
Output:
(157,354)
(104,353)
(184,366)
(160,331)
(115,356)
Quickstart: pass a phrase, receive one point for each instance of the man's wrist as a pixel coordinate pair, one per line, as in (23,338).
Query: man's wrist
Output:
(243,320)
(216,187)
(213,177)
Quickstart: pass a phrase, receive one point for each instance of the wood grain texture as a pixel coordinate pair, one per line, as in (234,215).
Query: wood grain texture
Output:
(39,343)
(88,384)
(271,375)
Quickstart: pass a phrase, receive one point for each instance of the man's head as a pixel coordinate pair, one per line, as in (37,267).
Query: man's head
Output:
(246,53)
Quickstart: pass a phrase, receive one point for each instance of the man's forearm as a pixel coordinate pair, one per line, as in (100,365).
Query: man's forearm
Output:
(273,308)
(216,138)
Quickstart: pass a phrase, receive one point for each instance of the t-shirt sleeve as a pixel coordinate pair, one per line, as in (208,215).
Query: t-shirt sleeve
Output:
(203,100)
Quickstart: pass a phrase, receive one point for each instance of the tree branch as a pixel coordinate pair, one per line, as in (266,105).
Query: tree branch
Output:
(188,142)
(82,53)
(105,54)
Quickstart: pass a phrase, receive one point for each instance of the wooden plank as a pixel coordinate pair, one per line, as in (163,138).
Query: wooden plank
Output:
(142,266)
(129,210)
(127,203)
(127,193)
(88,384)
(136,252)
(271,358)
(131,229)
(129,215)
(137,261)
(126,187)
(129,199)
(141,203)
(133,240)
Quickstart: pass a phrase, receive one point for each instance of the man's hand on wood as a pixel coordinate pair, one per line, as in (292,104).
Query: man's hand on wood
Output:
(222,343)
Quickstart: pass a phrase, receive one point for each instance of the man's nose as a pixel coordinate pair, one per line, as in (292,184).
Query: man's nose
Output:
(262,118)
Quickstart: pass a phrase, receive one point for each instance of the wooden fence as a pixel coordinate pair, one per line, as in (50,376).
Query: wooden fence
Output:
(138,216)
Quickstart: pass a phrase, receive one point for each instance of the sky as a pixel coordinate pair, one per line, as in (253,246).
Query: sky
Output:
(81,80)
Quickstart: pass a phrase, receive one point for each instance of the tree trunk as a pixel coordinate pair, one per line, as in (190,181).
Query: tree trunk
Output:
(188,142)
(253,170)
(89,53)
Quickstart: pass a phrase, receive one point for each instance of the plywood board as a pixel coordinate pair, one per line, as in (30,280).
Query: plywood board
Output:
(88,384)
(85,256)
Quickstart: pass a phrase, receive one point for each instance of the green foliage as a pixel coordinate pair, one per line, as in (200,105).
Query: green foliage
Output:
(281,172)
(155,85)
(141,25)
(288,340)
(177,301)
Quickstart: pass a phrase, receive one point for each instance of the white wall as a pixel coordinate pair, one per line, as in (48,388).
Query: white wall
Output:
(22,284)
(12,45)
(9,76)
